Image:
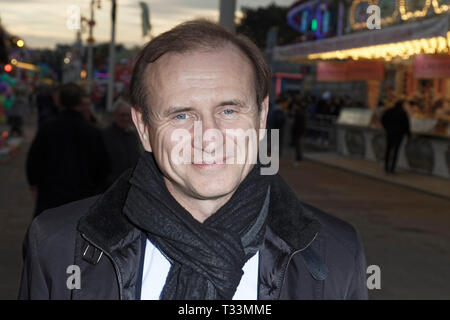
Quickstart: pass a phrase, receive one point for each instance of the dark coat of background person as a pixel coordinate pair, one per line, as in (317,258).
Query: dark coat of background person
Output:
(67,161)
(298,129)
(123,147)
(18,111)
(45,103)
(276,119)
(396,123)
(296,262)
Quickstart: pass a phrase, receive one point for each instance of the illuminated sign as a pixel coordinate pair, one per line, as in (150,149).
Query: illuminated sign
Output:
(312,17)
(392,9)
(359,15)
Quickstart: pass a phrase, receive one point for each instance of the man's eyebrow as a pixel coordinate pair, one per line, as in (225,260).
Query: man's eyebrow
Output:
(178,109)
(233,102)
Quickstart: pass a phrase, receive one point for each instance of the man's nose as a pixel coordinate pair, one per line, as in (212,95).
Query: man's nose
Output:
(207,134)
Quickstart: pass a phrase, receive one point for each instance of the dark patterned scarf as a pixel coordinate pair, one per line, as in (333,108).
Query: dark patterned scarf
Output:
(206,258)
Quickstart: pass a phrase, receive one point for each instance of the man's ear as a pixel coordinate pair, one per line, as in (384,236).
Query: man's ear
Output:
(263,115)
(141,129)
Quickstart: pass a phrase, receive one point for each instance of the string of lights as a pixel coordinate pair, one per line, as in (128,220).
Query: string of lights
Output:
(403,50)
(400,10)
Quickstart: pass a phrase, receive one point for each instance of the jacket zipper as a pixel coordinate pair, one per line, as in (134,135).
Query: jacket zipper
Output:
(290,258)
(116,268)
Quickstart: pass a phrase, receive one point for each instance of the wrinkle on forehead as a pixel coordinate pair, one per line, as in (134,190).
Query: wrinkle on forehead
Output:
(165,64)
(196,69)
(200,78)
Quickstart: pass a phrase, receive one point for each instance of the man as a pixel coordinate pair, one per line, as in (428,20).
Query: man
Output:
(87,109)
(18,111)
(396,123)
(47,103)
(67,160)
(277,119)
(298,129)
(121,140)
(210,229)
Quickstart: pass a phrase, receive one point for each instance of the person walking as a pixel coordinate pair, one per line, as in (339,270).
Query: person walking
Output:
(298,130)
(396,124)
(47,103)
(277,119)
(121,140)
(67,160)
(18,111)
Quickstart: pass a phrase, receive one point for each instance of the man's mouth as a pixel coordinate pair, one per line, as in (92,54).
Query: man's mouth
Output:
(211,163)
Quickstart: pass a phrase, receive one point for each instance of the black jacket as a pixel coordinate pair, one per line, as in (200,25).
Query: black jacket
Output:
(67,161)
(299,125)
(123,150)
(306,254)
(396,122)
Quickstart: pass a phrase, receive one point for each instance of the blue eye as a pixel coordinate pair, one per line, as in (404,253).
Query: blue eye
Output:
(182,116)
(228,111)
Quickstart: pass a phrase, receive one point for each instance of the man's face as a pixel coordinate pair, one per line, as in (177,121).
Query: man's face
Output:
(207,90)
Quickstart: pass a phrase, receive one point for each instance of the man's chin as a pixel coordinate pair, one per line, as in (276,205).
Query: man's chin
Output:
(212,194)
(213,186)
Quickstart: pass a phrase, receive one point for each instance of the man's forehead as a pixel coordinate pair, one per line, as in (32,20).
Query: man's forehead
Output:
(185,78)
(202,60)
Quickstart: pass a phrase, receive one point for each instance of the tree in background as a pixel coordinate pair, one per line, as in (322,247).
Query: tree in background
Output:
(257,22)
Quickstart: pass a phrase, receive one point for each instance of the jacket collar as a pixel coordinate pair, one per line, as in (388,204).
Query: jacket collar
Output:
(289,219)
(106,226)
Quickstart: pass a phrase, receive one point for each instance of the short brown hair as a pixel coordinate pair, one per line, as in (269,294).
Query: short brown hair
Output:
(191,36)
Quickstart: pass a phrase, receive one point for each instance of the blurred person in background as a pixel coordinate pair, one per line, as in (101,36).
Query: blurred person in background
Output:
(47,103)
(396,124)
(311,107)
(335,106)
(323,105)
(67,160)
(121,140)
(298,129)
(87,109)
(277,119)
(18,111)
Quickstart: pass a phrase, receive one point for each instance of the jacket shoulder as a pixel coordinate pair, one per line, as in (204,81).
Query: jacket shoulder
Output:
(336,230)
(337,257)
(49,250)
(60,221)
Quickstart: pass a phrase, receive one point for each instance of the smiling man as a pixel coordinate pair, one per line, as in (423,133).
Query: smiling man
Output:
(209,227)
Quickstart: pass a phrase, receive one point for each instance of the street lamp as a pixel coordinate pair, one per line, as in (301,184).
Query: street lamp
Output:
(90,41)
(111,67)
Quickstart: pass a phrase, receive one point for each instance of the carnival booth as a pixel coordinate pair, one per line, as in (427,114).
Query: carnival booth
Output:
(405,55)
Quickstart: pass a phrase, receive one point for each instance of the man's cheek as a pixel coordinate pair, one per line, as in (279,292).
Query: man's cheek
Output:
(241,145)
(178,147)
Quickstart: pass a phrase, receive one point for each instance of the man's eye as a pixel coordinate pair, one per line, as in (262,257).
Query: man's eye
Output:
(182,116)
(228,112)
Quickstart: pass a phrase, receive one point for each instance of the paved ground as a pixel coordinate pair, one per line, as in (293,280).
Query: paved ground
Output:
(16,207)
(438,186)
(405,232)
